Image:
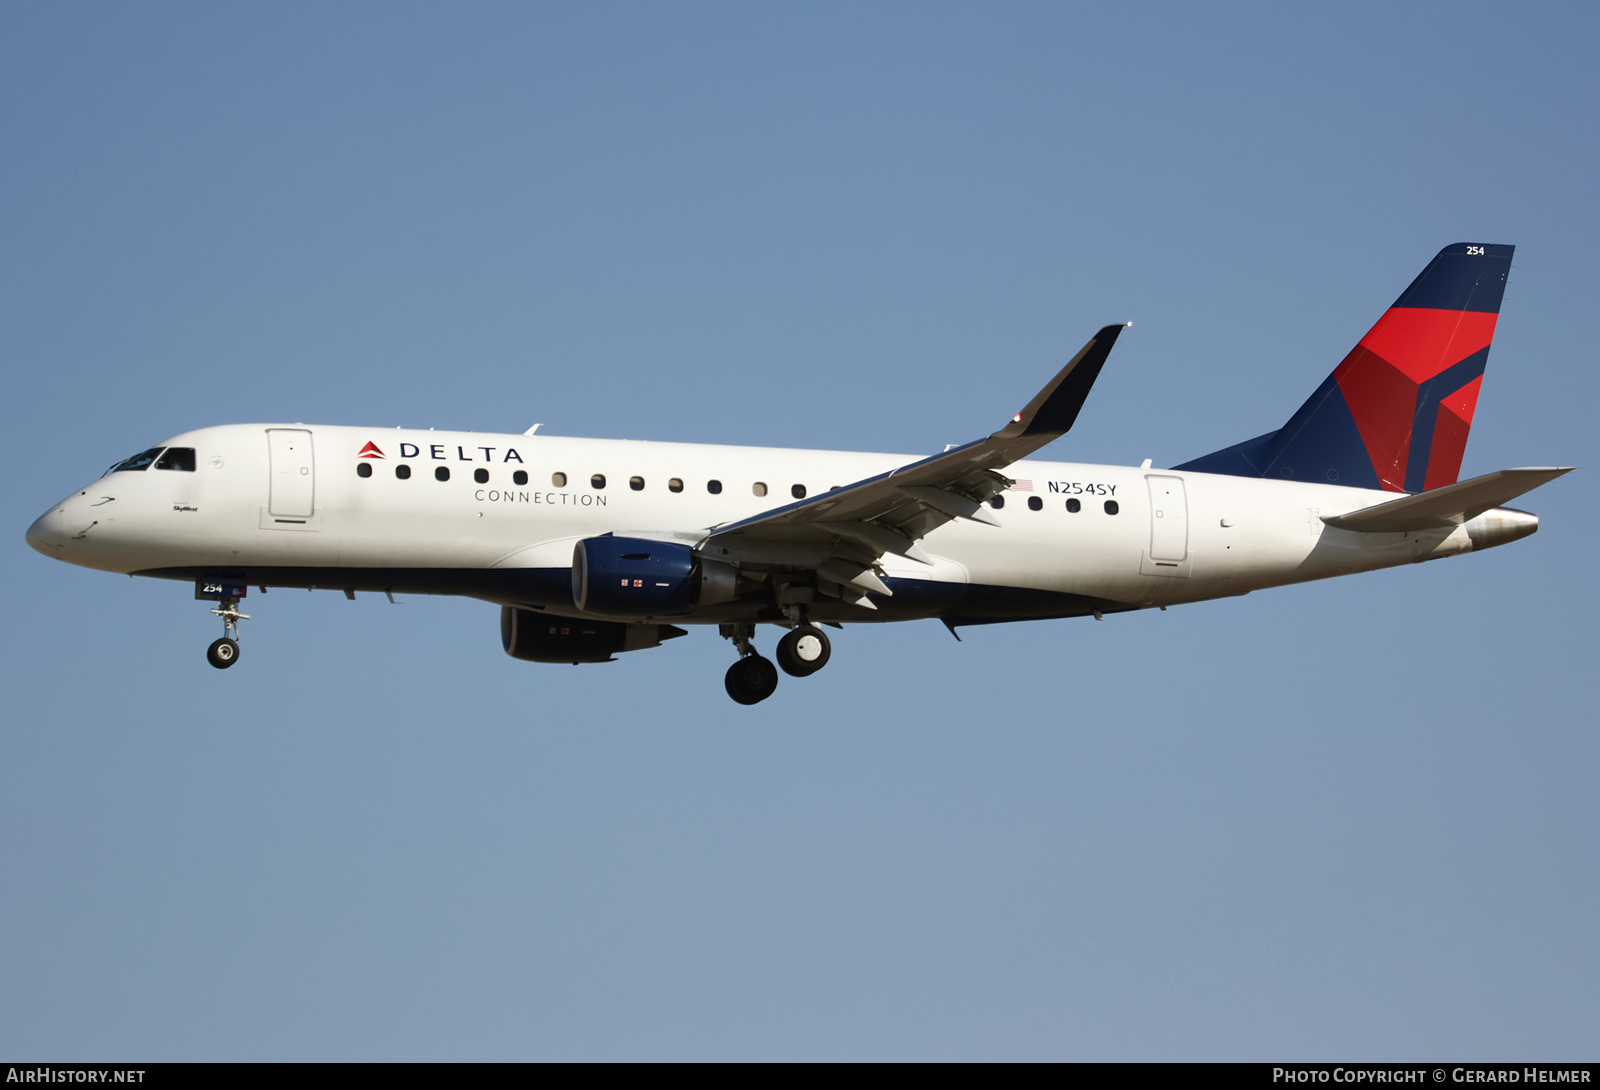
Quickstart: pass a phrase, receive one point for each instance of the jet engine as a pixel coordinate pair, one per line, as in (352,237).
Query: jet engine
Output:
(539,637)
(633,577)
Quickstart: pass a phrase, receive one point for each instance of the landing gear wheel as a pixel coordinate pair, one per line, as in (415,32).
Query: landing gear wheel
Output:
(751,680)
(223,654)
(803,651)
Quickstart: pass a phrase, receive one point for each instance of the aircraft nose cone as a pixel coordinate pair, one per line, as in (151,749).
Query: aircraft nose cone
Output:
(46,535)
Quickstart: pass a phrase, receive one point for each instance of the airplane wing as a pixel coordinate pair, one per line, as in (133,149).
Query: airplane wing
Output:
(1449,505)
(842,531)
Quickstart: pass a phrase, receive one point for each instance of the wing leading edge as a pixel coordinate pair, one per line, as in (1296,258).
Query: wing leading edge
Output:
(840,533)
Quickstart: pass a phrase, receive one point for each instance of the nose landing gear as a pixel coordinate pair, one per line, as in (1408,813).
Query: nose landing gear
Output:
(224,653)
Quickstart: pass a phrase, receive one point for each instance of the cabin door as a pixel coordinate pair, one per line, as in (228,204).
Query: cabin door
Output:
(293,474)
(1169,519)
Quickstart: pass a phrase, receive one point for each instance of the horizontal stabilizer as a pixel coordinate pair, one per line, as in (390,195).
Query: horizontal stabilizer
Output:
(1451,505)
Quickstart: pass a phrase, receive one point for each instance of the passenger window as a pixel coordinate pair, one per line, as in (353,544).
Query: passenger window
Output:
(138,463)
(558,479)
(177,458)
(597,481)
(1035,503)
(675,485)
(520,477)
(798,491)
(714,487)
(1111,507)
(363,469)
(1073,506)
(759,488)
(441,473)
(636,483)
(403,471)
(481,476)
(997,502)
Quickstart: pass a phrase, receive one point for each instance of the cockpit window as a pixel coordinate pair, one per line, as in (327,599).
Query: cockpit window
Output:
(177,458)
(139,462)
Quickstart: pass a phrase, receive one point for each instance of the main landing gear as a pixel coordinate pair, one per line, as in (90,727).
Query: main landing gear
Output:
(225,652)
(752,679)
(801,652)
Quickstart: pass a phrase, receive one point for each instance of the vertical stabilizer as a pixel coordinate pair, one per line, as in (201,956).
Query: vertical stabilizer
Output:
(1395,413)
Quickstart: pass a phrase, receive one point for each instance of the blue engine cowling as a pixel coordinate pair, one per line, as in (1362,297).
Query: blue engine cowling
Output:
(633,577)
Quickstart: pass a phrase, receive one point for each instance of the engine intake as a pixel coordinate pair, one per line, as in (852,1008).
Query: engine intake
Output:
(634,577)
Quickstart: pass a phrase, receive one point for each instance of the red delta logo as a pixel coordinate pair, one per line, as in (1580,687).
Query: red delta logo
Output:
(370,451)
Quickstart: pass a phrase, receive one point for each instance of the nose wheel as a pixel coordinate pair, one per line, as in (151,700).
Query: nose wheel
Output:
(224,653)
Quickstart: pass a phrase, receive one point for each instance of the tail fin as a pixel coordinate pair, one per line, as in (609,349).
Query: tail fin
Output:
(1395,414)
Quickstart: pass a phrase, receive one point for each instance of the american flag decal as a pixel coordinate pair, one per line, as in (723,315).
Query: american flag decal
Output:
(1022,486)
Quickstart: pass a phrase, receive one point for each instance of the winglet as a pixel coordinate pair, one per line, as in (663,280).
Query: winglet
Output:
(1054,409)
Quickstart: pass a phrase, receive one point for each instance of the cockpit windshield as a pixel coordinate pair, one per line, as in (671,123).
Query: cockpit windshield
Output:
(177,458)
(139,462)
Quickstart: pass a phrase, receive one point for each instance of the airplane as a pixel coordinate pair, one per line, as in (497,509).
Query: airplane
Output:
(592,547)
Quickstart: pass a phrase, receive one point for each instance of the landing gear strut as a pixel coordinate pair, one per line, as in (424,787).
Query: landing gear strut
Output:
(225,652)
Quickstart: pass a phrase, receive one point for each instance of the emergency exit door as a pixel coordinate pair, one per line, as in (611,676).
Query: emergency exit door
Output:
(1169,519)
(293,488)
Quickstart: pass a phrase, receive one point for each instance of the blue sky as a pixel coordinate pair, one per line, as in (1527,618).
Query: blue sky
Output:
(1350,819)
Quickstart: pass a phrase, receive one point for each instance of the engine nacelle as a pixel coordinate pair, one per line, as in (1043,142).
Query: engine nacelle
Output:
(539,637)
(634,577)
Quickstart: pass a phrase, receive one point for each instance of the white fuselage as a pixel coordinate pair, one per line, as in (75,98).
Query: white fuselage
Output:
(287,505)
